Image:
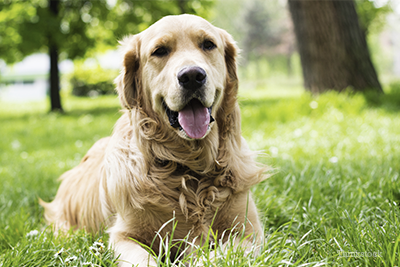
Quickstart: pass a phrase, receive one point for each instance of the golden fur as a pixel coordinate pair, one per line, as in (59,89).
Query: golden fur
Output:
(147,172)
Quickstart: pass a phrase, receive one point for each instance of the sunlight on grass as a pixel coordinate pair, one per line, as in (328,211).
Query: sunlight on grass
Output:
(333,199)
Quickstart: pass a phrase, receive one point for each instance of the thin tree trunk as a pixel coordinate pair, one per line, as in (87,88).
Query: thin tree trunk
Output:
(333,50)
(55,100)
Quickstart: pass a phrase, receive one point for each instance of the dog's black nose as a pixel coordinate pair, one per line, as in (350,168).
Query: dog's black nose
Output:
(192,78)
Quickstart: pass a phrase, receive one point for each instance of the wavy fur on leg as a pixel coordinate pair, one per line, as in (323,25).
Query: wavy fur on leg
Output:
(148,171)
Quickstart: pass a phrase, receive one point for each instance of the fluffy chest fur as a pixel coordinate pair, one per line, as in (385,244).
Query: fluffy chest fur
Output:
(195,196)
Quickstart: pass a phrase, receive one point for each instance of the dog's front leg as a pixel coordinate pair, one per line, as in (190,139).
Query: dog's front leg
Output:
(130,253)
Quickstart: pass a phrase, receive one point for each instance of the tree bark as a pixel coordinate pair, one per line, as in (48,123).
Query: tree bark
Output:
(333,49)
(55,100)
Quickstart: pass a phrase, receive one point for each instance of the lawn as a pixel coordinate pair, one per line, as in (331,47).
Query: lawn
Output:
(333,199)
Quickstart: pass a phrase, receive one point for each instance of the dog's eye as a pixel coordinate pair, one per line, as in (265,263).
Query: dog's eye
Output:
(208,45)
(160,52)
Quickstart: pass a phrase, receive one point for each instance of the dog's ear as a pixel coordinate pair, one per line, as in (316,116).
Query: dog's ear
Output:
(128,82)
(228,117)
(231,53)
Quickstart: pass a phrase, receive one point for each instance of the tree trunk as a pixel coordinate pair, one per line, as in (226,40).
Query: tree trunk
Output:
(55,100)
(333,50)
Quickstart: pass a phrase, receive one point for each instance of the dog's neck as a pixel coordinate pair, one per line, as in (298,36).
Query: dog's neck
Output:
(195,174)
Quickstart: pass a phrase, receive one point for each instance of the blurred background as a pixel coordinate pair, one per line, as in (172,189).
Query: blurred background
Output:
(71,45)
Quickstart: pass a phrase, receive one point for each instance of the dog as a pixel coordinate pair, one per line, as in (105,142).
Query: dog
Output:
(176,152)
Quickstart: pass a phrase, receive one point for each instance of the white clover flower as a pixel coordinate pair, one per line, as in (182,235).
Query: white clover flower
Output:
(58,253)
(71,259)
(32,233)
(99,246)
(334,160)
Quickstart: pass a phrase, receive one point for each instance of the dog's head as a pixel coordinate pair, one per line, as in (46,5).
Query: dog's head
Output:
(181,69)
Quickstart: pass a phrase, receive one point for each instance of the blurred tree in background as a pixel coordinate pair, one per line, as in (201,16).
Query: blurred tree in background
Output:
(267,32)
(75,28)
(264,31)
(333,49)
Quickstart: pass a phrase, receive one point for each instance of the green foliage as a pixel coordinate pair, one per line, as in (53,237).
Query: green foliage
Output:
(333,199)
(372,18)
(92,81)
(81,26)
(81,88)
(12,16)
(34,27)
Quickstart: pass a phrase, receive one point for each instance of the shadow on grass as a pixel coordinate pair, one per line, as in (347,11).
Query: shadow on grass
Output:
(389,102)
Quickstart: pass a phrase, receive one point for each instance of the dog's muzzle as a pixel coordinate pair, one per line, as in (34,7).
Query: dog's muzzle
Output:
(194,119)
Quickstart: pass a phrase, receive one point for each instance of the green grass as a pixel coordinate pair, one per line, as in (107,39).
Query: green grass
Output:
(333,200)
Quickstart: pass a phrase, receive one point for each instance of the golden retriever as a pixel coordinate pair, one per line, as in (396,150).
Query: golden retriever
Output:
(176,152)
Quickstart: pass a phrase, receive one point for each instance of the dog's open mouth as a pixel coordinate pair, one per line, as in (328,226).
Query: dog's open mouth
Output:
(194,119)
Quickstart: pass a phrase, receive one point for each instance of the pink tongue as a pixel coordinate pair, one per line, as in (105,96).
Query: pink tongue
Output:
(194,119)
